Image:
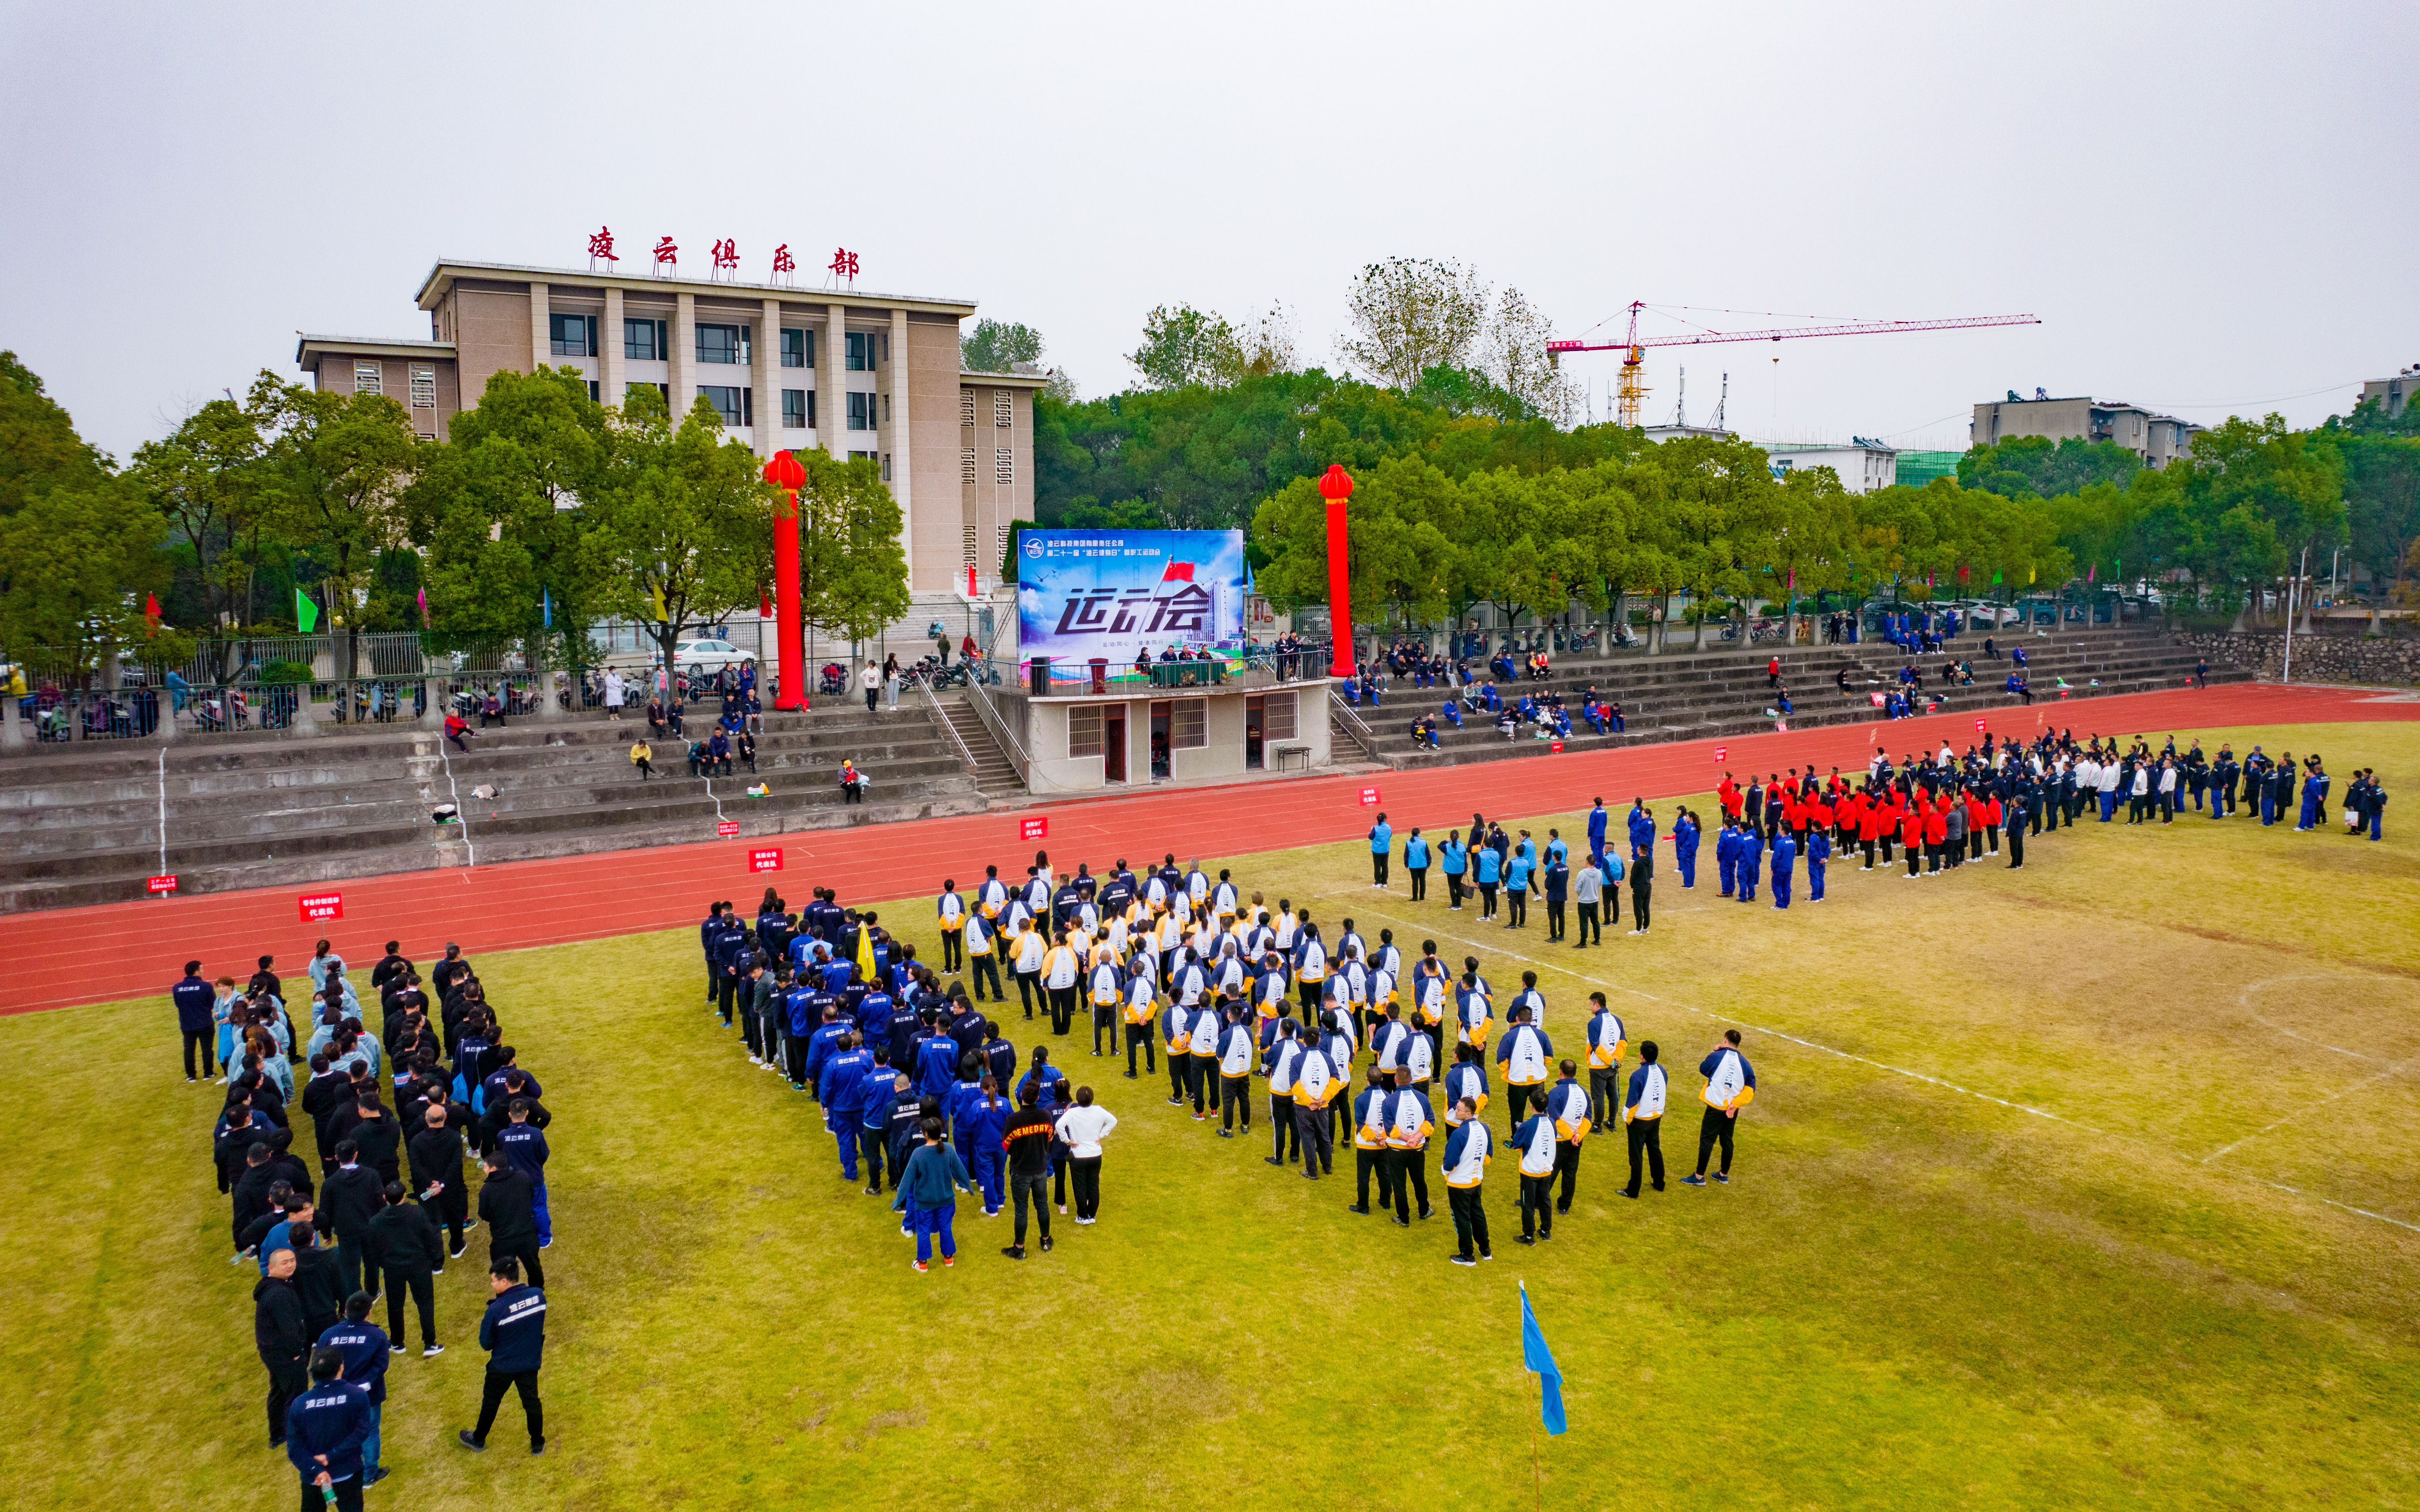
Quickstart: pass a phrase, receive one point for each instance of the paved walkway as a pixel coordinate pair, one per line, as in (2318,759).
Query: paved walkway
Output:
(115,950)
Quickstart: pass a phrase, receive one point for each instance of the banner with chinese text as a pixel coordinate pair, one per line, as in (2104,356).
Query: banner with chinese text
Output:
(1114,595)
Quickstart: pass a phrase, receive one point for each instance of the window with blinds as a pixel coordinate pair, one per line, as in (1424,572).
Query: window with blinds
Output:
(1188,724)
(368,378)
(971,546)
(423,388)
(1003,408)
(1277,717)
(1084,730)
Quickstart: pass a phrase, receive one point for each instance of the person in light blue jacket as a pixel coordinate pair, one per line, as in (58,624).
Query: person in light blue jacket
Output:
(1416,864)
(1382,841)
(1454,860)
(1490,864)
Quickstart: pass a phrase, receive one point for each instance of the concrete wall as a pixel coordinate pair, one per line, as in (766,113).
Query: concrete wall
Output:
(1221,756)
(2378,661)
(930,368)
(491,334)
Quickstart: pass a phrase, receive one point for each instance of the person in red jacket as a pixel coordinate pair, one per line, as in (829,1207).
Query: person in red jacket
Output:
(1992,822)
(1728,793)
(1911,834)
(1975,819)
(456,729)
(1936,835)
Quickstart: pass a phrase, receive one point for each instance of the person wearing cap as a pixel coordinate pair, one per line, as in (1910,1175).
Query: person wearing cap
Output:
(852,781)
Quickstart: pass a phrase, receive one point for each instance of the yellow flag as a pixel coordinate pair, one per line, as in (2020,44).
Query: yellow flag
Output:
(866,951)
(2029,576)
(657,594)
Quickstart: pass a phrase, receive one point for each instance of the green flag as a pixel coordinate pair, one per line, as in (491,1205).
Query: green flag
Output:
(306,614)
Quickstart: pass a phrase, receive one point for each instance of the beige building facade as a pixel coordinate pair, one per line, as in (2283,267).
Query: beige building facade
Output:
(855,373)
(2157,439)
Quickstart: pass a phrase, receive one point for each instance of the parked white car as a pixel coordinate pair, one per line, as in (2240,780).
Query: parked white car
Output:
(707,655)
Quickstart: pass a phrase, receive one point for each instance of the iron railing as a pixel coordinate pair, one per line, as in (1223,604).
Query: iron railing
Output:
(988,710)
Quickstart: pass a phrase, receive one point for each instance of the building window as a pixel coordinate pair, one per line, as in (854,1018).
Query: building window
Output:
(885,466)
(797,412)
(1003,408)
(966,407)
(663,389)
(1083,730)
(859,357)
(1188,724)
(735,401)
(794,347)
(369,377)
(966,475)
(999,543)
(1004,465)
(423,388)
(1277,717)
(860,412)
(644,341)
(723,344)
(970,544)
(572,335)
(885,409)
(860,457)
(592,390)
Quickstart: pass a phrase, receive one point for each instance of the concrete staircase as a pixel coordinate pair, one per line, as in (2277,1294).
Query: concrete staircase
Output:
(995,775)
(1684,695)
(84,823)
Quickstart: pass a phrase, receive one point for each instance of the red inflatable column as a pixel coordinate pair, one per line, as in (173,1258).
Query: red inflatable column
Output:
(783,472)
(1336,488)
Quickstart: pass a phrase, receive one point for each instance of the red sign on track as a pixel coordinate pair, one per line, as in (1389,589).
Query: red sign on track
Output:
(1033,828)
(766,859)
(1978,727)
(319,906)
(162,884)
(1556,746)
(727,828)
(1721,753)
(1369,797)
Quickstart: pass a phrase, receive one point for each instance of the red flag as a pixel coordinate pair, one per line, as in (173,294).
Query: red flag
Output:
(151,609)
(764,604)
(2090,571)
(1177,572)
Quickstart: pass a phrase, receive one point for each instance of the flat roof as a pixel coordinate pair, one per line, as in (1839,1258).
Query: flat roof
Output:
(446,270)
(1006,380)
(306,344)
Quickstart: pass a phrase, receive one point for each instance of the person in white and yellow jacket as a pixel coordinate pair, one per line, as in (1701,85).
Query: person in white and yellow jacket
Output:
(1606,1045)
(1237,1049)
(1467,1151)
(1108,990)
(1533,1140)
(1283,1057)
(1025,953)
(1409,1124)
(1141,1006)
(1370,1116)
(1062,973)
(1731,1085)
(951,910)
(1567,1104)
(1204,1048)
(1642,1116)
(1525,1056)
(1317,1082)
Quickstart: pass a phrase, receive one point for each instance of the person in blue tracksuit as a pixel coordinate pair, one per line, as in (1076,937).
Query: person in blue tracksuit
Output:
(822,1044)
(1489,864)
(524,1150)
(875,1092)
(513,1331)
(1727,855)
(1454,860)
(363,1347)
(1685,847)
(936,1066)
(1416,864)
(1382,841)
(1784,855)
(2315,794)
(838,1092)
(1597,820)
(325,1429)
(710,939)
(1749,858)
(1818,850)
(1642,829)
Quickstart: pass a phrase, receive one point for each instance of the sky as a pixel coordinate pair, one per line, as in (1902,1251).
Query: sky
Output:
(2209,207)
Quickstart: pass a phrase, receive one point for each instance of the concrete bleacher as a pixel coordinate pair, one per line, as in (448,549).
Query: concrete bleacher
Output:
(84,820)
(1684,694)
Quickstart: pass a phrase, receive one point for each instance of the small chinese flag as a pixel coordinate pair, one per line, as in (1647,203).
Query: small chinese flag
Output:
(1177,572)
(764,604)
(151,609)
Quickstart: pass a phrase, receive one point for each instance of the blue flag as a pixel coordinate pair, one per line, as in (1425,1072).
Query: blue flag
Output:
(546,606)
(1536,1356)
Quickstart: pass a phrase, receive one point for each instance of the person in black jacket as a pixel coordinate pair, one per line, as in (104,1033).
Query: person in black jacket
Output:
(194,998)
(405,1250)
(514,1335)
(266,1168)
(240,1128)
(353,1196)
(323,1096)
(437,1175)
(279,1334)
(314,1280)
(378,1136)
(508,1208)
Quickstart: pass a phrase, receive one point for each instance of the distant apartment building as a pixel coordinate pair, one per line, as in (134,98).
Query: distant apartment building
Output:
(2156,439)
(860,373)
(1862,465)
(2393,394)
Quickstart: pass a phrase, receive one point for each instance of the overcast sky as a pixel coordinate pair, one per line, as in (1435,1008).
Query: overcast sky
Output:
(2211,206)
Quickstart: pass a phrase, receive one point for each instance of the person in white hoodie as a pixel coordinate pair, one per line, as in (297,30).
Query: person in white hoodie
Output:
(1082,1128)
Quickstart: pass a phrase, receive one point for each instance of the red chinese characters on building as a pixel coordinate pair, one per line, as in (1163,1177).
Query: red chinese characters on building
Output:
(667,253)
(783,263)
(726,253)
(601,246)
(843,264)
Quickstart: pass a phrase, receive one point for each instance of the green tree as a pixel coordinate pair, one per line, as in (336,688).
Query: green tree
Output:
(998,347)
(1185,347)
(39,449)
(681,533)
(2382,477)
(74,567)
(852,573)
(2044,469)
(209,479)
(337,464)
(1413,313)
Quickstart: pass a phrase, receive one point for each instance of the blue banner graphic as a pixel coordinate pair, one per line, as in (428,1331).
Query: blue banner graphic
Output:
(1117,595)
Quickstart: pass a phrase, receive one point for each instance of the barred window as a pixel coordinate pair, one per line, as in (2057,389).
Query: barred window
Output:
(1277,717)
(971,546)
(1003,408)
(1084,730)
(1187,724)
(369,377)
(423,388)
(966,407)
(967,464)
(1004,465)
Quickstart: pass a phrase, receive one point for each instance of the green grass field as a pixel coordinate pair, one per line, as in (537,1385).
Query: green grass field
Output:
(1913,1296)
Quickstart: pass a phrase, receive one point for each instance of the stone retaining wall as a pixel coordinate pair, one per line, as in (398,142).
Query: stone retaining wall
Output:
(2371,661)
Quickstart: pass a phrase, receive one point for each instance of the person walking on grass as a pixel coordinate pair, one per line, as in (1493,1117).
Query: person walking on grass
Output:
(513,1332)
(1731,1085)
(405,1253)
(928,1185)
(1025,1141)
(1081,1129)
(1642,1116)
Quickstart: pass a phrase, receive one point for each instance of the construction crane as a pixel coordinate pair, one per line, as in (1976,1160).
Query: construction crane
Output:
(1634,347)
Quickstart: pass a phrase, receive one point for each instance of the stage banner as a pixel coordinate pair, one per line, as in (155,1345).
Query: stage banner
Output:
(1082,595)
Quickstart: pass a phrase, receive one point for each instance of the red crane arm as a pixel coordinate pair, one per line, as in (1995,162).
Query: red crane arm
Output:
(1862,328)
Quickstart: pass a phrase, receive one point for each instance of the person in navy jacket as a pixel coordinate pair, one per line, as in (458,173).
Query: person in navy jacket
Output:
(325,1429)
(363,1347)
(1642,828)
(194,998)
(514,1335)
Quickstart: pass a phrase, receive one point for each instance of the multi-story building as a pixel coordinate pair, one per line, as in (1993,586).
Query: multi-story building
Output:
(1862,465)
(857,373)
(2156,439)
(2393,394)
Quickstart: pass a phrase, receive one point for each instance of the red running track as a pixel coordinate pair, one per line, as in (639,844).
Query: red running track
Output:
(115,950)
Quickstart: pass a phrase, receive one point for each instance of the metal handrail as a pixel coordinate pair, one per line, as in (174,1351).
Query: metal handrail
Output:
(1354,727)
(980,697)
(925,686)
